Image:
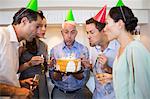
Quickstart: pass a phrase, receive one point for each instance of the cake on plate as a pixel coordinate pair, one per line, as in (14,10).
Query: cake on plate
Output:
(68,64)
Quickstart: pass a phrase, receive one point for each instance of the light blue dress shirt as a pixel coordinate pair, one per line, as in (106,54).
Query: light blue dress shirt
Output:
(69,83)
(104,91)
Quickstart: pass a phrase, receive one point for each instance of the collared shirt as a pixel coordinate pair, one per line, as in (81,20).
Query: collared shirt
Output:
(69,83)
(9,56)
(103,91)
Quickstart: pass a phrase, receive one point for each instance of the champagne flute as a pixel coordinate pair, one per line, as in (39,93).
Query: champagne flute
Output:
(42,65)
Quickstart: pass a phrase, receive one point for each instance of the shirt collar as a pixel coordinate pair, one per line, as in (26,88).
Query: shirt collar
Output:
(73,46)
(13,36)
(112,44)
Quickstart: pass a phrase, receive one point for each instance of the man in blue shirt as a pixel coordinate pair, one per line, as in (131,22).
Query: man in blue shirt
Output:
(102,55)
(70,85)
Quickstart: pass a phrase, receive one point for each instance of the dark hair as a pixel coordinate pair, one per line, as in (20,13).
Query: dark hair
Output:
(41,14)
(24,12)
(98,25)
(126,15)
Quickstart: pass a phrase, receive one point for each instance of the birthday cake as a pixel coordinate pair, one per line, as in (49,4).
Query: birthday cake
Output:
(68,64)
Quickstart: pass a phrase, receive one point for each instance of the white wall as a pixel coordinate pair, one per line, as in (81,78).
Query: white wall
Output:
(55,10)
(135,4)
(145,34)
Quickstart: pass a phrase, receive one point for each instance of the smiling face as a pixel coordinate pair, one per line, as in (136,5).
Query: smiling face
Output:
(95,37)
(42,30)
(69,33)
(111,29)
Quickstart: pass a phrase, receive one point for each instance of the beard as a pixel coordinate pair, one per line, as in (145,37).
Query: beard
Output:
(92,44)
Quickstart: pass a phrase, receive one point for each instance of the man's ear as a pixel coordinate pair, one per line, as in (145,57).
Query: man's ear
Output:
(24,20)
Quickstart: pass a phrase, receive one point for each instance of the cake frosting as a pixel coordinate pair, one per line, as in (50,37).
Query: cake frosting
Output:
(68,64)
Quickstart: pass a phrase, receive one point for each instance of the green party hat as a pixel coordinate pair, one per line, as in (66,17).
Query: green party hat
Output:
(120,3)
(33,5)
(70,16)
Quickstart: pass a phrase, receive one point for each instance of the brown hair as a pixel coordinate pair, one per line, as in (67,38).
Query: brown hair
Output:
(98,25)
(24,12)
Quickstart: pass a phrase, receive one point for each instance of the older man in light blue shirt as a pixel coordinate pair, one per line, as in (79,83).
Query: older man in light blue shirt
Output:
(70,85)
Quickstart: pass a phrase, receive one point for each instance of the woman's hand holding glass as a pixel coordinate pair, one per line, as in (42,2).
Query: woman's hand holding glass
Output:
(103,70)
(36,60)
